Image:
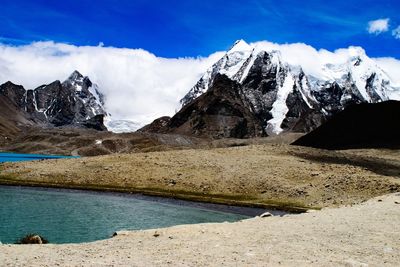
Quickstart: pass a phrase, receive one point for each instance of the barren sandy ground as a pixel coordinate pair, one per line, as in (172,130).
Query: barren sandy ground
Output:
(366,234)
(268,174)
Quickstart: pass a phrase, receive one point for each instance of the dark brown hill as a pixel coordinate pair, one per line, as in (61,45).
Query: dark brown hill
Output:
(12,119)
(358,126)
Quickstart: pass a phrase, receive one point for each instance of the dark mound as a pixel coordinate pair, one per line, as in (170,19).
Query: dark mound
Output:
(156,126)
(358,126)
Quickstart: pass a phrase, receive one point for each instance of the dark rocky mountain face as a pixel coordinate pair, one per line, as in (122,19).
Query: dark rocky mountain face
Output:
(218,113)
(75,102)
(367,125)
(96,123)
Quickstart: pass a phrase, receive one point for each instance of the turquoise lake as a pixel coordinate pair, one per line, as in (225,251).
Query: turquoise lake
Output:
(14,157)
(73,216)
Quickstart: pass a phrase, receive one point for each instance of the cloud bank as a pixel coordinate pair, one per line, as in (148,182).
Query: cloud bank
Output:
(378,26)
(392,67)
(396,33)
(138,85)
(312,60)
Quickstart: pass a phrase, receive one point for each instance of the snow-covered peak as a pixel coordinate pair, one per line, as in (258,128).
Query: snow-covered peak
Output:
(319,67)
(235,64)
(356,51)
(360,70)
(77,81)
(75,75)
(86,92)
(239,46)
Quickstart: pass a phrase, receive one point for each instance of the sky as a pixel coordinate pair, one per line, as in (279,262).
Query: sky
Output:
(146,54)
(187,28)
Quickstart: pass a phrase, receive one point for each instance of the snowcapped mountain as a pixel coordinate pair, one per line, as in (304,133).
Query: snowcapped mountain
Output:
(86,92)
(76,101)
(289,95)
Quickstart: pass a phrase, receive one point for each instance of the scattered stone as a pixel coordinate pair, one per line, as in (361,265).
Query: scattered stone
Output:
(32,239)
(388,249)
(266,214)
(156,234)
(396,202)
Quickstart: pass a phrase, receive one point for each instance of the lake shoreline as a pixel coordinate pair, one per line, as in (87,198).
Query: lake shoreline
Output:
(79,216)
(233,209)
(344,236)
(169,194)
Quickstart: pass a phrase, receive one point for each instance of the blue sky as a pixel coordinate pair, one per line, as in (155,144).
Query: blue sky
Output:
(177,28)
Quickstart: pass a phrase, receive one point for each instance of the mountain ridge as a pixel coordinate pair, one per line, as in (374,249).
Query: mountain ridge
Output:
(74,102)
(289,97)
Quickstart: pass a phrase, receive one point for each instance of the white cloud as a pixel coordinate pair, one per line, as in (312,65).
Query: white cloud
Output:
(396,32)
(138,85)
(310,59)
(378,26)
(313,61)
(392,68)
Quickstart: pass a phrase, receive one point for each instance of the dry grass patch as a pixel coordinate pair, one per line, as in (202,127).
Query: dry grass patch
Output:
(267,174)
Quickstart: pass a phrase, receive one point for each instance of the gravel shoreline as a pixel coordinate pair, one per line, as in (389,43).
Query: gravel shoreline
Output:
(365,234)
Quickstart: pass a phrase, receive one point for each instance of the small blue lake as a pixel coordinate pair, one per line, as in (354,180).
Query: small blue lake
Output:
(14,157)
(74,216)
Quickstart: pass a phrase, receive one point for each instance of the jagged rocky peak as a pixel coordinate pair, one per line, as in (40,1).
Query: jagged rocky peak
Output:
(15,93)
(83,86)
(288,96)
(78,82)
(76,101)
(228,65)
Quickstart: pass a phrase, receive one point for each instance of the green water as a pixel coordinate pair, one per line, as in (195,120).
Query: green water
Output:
(71,216)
